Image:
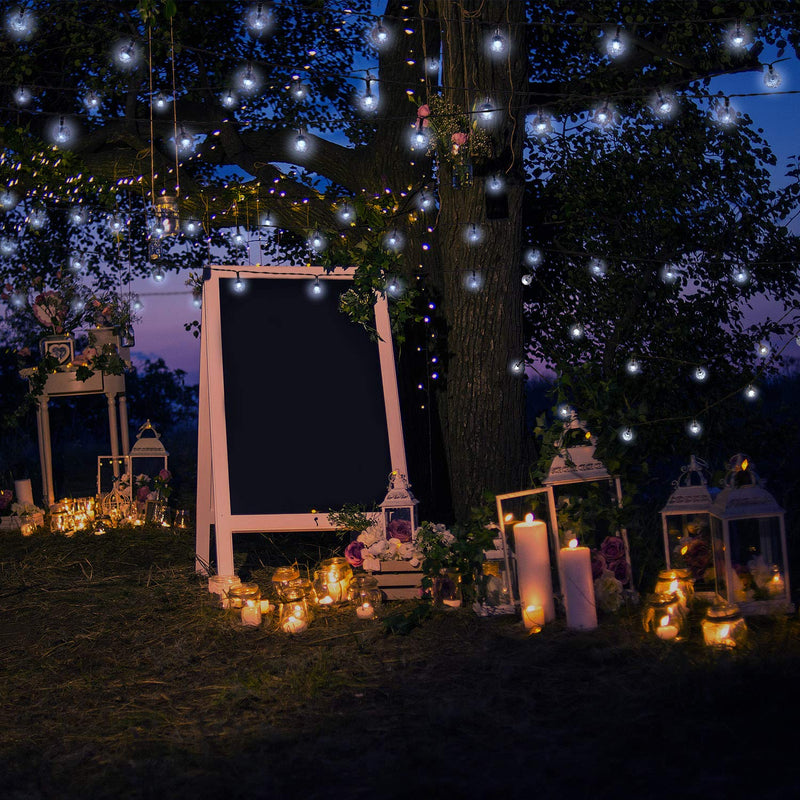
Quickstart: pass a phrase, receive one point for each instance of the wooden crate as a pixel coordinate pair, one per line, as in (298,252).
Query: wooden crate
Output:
(399,580)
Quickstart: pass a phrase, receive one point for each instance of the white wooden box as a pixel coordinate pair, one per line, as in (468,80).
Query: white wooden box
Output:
(399,580)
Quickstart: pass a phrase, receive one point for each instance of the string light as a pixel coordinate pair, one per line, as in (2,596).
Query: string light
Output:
(740,275)
(694,428)
(316,288)
(125,53)
(258,20)
(394,286)
(185,140)
(750,392)
(541,125)
(8,246)
(37,219)
(772,79)
(669,274)
(564,411)
(298,90)
(62,132)
(22,96)
(700,374)
(393,240)
(516,366)
(663,105)
(300,142)
(597,268)
(115,224)
(432,65)
(159,276)
(21,23)
(473,234)
(346,213)
(576,331)
(633,367)
(497,44)
(616,46)
(317,242)
(238,284)
(495,185)
(379,36)
(249,79)
(763,349)
(527,279)
(8,199)
(419,136)
(229,99)
(473,281)
(91,100)
(369,102)
(533,257)
(738,37)
(627,435)
(425,201)
(160,102)
(191,227)
(486,112)
(603,116)
(726,114)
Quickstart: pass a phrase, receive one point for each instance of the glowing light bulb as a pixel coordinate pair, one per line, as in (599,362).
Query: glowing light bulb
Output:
(317,241)
(750,392)
(486,112)
(258,20)
(432,64)
(564,411)
(185,140)
(197,299)
(597,267)
(160,102)
(379,36)
(737,37)
(604,116)
(191,228)
(541,124)
(347,213)
(159,276)
(497,44)
(616,46)
(425,201)
(516,366)
(298,90)
(7,246)
(77,215)
(20,23)
(369,102)
(694,428)
(248,80)
(76,264)
(37,219)
(393,241)
(62,133)
(238,284)
(633,367)
(700,374)
(317,287)
(726,114)
(22,96)
(394,287)
(669,274)
(116,224)
(91,100)
(473,234)
(576,331)
(300,143)
(763,349)
(495,185)
(473,281)
(126,53)
(627,435)
(740,275)
(772,79)
(229,99)
(533,257)
(664,105)
(8,199)
(527,279)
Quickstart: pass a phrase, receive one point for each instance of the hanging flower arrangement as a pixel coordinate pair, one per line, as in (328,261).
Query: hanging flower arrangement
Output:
(455,135)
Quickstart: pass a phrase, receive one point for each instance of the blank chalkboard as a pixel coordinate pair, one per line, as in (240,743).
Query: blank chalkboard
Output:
(299,411)
(304,408)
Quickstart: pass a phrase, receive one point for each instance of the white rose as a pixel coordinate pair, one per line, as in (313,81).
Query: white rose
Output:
(407,550)
(414,562)
(448,537)
(378,548)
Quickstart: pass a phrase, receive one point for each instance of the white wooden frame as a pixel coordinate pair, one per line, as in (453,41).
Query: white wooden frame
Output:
(213,489)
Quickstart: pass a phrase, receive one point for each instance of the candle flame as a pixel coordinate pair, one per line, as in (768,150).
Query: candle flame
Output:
(776,578)
(326,601)
(529,518)
(573,543)
(684,549)
(724,631)
(664,622)
(673,587)
(745,464)
(508,517)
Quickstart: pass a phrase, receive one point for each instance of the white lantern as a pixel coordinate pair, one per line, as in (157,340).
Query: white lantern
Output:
(399,509)
(686,523)
(748,537)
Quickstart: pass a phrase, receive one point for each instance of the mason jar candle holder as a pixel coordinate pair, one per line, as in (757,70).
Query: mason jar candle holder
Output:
(294,616)
(724,626)
(366,596)
(221,585)
(282,580)
(679,582)
(663,616)
(447,588)
(238,595)
(250,595)
(332,580)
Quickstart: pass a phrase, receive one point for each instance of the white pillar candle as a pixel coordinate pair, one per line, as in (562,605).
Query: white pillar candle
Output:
(665,630)
(251,613)
(576,570)
(533,566)
(23,491)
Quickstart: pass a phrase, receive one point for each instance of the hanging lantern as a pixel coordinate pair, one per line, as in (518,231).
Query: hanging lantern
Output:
(399,509)
(167,214)
(686,522)
(724,625)
(748,536)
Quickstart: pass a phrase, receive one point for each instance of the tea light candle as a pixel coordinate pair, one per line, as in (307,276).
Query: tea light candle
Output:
(251,613)
(267,607)
(365,611)
(665,630)
(533,617)
(294,624)
(576,570)
(533,566)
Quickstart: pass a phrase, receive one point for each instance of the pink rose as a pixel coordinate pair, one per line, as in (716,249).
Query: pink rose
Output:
(399,529)
(141,493)
(353,553)
(459,139)
(424,111)
(621,571)
(613,549)
(165,475)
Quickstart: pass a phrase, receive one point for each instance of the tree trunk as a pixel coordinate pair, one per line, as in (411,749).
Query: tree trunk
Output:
(482,407)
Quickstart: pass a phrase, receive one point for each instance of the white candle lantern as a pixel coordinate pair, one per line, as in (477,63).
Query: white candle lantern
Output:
(686,524)
(749,543)
(724,625)
(399,509)
(574,473)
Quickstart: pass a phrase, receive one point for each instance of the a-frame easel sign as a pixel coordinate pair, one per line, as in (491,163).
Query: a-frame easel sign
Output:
(298,406)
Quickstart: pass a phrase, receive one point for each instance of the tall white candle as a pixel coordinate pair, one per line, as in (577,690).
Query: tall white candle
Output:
(533,566)
(576,572)
(23,491)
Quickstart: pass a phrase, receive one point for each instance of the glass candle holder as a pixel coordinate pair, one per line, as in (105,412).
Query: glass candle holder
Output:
(663,616)
(238,595)
(332,580)
(250,596)
(282,579)
(447,588)
(676,581)
(294,616)
(724,626)
(366,596)
(298,601)
(221,585)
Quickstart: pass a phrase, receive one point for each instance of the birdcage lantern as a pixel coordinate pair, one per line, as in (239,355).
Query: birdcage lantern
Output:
(167,215)
(686,524)
(399,509)
(576,476)
(748,540)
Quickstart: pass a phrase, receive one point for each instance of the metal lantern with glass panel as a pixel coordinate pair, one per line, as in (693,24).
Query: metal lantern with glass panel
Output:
(686,522)
(399,509)
(584,500)
(748,539)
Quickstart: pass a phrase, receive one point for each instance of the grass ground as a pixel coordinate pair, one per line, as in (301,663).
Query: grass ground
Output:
(120,678)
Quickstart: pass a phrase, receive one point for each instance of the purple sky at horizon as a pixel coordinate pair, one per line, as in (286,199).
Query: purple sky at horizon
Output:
(168,306)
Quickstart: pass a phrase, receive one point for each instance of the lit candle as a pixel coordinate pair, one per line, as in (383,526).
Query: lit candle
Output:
(533,617)
(293,624)
(365,611)
(251,613)
(267,607)
(452,603)
(665,630)
(576,571)
(533,565)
